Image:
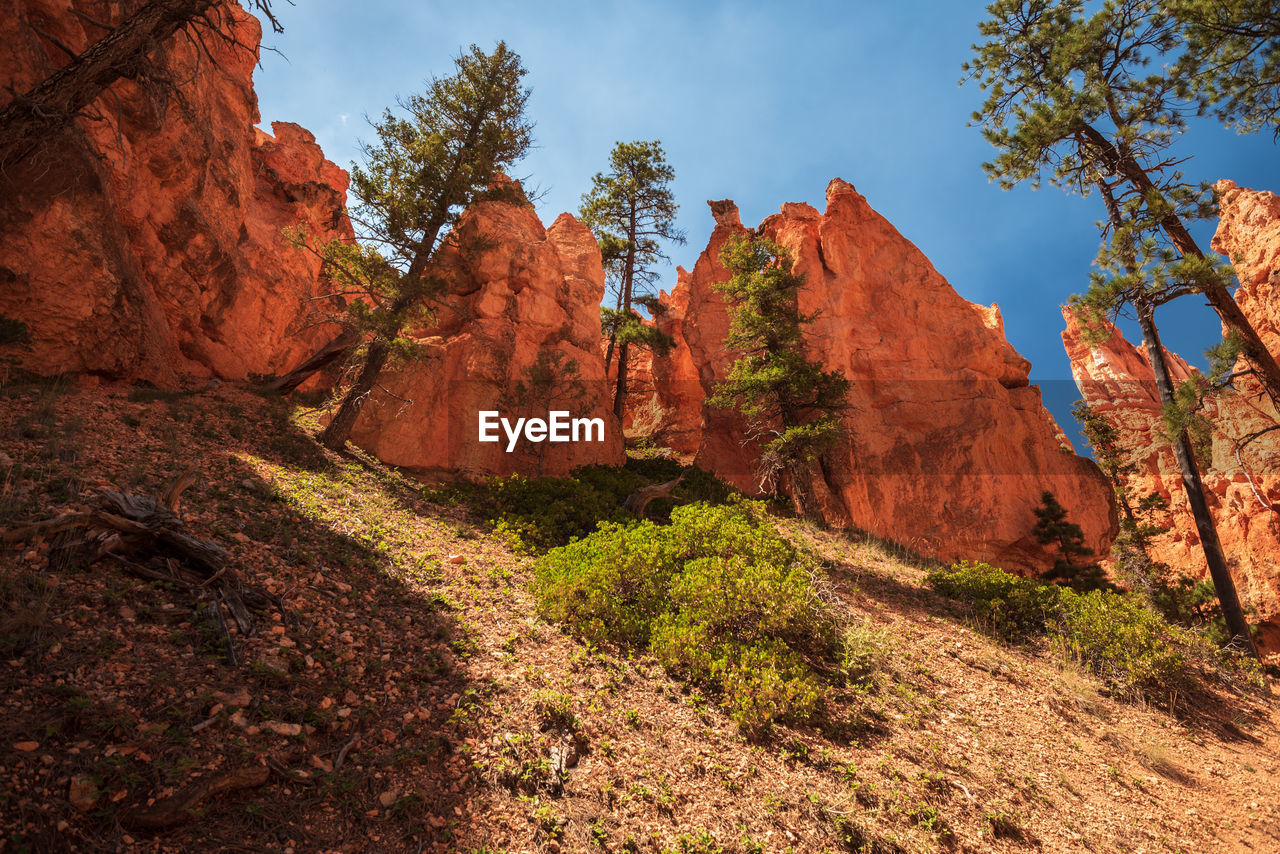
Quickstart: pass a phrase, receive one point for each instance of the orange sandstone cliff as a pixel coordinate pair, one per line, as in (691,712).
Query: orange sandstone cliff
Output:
(144,243)
(517,292)
(949,446)
(1242,481)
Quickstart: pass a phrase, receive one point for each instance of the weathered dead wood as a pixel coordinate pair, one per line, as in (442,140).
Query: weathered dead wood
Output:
(146,538)
(180,807)
(144,572)
(278,767)
(49,526)
(637,501)
(331,352)
(172,497)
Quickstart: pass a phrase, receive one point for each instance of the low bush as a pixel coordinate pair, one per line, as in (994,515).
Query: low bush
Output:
(1117,637)
(718,597)
(1011,608)
(537,514)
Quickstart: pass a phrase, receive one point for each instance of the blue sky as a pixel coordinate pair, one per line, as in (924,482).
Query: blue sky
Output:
(763,103)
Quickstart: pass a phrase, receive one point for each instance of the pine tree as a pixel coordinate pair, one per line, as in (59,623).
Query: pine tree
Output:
(791,405)
(1181,599)
(424,169)
(126,50)
(1136,273)
(1070,98)
(1231,65)
(631,208)
(1071,565)
(552,382)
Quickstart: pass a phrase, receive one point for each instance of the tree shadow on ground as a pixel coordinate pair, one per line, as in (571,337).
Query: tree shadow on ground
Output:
(356,699)
(1207,704)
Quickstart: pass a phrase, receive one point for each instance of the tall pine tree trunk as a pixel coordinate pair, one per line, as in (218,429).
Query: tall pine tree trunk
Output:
(620,392)
(1223,584)
(613,334)
(39,113)
(339,428)
(628,276)
(1253,349)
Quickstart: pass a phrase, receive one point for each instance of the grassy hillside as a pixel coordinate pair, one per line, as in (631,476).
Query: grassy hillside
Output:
(400,692)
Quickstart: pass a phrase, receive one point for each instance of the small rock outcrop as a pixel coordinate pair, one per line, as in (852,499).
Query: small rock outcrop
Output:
(1242,479)
(518,333)
(949,446)
(145,242)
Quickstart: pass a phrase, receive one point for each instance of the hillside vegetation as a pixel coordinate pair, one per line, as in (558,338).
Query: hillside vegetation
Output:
(446,668)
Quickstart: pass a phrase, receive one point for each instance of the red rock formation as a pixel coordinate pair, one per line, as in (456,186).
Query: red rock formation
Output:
(950,447)
(145,242)
(517,291)
(1243,489)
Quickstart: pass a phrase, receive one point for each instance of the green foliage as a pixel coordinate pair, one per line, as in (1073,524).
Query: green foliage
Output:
(1180,599)
(864,653)
(1116,637)
(790,403)
(419,175)
(1072,97)
(1069,566)
(1072,94)
(537,514)
(425,168)
(717,596)
(631,208)
(1183,416)
(1059,81)
(698,484)
(552,382)
(625,326)
(1011,608)
(1222,358)
(1231,65)
(1105,440)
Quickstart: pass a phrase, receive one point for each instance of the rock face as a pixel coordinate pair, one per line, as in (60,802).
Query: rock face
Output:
(145,243)
(1243,490)
(949,446)
(520,335)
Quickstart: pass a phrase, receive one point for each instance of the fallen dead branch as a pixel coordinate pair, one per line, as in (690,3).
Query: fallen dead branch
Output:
(146,537)
(637,501)
(342,754)
(278,768)
(180,807)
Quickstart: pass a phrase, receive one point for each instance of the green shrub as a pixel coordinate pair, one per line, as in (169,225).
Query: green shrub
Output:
(698,485)
(1012,608)
(864,653)
(717,596)
(610,585)
(1114,636)
(537,514)
(1128,645)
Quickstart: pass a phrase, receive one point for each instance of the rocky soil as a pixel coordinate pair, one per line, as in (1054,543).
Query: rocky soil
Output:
(404,696)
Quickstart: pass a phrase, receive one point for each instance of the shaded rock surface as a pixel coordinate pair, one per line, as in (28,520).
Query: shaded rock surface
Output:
(949,446)
(145,242)
(1242,478)
(516,293)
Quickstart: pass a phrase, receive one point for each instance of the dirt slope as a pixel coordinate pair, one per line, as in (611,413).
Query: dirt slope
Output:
(407,698)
